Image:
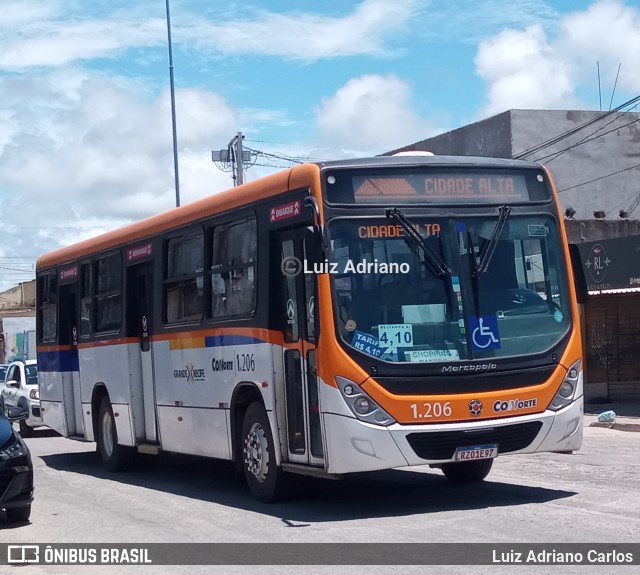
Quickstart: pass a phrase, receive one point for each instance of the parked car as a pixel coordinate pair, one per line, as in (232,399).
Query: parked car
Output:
(20,389)
(3,370)
(16,469)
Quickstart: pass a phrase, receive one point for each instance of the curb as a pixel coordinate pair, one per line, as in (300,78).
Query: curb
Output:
(618,426)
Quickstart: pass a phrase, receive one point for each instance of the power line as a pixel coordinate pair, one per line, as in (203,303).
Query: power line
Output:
(600,178)
(17,269)
(17,226)
(271,166)
(237,158)
(586,140)
(276,156)
(233,159)
(568,133)
(633,206)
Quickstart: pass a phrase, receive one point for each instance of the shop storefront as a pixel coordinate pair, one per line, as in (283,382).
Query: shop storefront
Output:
(611,271)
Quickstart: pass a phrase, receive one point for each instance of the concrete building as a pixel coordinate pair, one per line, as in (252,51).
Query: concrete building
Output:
(18,322)
(594,159)
(595,165)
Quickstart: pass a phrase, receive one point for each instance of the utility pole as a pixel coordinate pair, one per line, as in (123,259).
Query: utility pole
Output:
(233,159)
(239,157)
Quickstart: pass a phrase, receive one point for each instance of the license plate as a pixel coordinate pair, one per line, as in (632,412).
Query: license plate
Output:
(476,452)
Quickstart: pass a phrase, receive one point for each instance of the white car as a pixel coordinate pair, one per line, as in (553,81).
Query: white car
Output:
(20,389)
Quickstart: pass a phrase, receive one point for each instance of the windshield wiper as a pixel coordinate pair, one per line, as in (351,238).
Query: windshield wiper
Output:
(414,239)
(487,253)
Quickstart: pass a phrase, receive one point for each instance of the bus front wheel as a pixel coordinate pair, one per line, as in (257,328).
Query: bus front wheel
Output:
(467,471)
(265,479)
(114,456)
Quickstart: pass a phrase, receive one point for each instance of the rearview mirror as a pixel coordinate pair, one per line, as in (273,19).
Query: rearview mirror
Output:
(12,383)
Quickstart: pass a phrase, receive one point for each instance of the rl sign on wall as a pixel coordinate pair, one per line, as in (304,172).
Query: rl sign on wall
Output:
(611,265)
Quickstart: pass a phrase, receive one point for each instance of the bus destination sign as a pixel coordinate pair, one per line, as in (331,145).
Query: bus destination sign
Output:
(442,188)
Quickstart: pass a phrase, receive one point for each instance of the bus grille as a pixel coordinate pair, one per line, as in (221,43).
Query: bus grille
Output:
(443,444)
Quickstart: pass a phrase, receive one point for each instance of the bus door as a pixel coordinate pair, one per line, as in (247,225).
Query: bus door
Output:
(139,330)
(70,368)
(297,311)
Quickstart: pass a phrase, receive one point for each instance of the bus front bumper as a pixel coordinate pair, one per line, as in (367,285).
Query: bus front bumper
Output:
(354,446)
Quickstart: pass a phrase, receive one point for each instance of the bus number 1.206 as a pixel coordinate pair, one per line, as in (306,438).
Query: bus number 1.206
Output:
(245,362)
(429,409)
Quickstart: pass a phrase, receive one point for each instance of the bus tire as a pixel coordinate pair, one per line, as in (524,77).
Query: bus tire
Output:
(467,471)
(114,456)
(265,479)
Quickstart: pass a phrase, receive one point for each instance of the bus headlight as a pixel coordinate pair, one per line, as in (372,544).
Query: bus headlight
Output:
(361,405)
(567,390)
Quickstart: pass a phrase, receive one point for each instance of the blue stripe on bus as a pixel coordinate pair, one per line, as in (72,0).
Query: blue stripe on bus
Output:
(224,340)
(67,360)
(63,360)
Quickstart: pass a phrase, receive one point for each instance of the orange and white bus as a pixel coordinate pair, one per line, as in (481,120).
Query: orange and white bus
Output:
(332,318)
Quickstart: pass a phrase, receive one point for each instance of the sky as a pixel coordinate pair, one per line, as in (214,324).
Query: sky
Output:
(85,114)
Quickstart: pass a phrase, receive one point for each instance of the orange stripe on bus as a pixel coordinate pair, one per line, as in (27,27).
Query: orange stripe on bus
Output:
(187,343)
(191,339)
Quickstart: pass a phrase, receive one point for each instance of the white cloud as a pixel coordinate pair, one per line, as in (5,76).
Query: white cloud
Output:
(522,71)
(53,43)
(91,153)
(527,69)
(475,20)
(24,12)
(39,36)
(609,32)
(308,36)
(373,113)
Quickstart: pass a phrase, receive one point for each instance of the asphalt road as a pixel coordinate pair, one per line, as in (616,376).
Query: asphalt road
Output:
(590,496)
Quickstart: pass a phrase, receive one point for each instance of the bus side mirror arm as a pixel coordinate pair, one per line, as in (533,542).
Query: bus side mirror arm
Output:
(311,204)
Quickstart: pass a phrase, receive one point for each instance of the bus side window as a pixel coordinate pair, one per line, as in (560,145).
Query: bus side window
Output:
(86,299)
(48,296)
(233,268)
(184,286)
(108,301)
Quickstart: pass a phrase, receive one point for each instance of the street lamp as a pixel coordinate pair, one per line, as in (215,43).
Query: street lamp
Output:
(173,111)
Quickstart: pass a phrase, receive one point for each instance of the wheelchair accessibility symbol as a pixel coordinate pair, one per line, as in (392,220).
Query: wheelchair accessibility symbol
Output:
(484,332)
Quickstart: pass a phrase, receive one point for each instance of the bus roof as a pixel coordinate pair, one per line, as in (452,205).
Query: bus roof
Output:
(176,217)
(263,188)
(435,161)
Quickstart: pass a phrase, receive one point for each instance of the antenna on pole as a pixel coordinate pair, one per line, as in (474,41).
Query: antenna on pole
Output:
(599,86)
(614,86)
(173,110)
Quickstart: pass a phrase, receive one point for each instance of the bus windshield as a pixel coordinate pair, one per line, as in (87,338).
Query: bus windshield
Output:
(392,305)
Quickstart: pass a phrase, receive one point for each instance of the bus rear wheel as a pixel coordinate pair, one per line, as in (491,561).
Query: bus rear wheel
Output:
(265,479)
(114,456)
(467,471)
